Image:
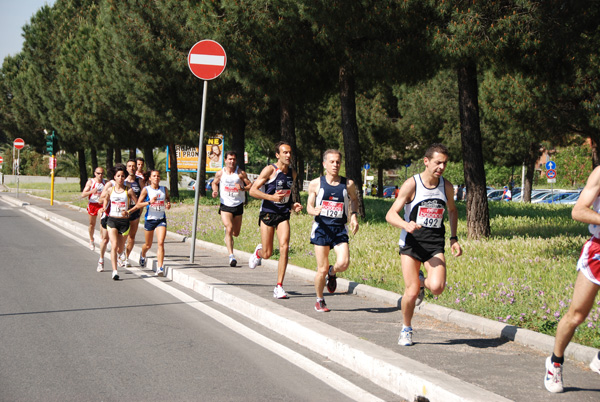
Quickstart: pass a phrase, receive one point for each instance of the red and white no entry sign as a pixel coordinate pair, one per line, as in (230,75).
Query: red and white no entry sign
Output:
(207,59)
(19,143)
(1,160)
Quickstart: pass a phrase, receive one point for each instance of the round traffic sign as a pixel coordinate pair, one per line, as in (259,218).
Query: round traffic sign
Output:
(207,59)
(19,143)
(551,173)
(1,160)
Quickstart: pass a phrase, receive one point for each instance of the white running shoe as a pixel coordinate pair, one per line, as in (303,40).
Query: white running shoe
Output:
(595,364)
(92,246)
(255,260)
(100,267)
(232,261)
(115,275)
(120,260)
(160,271)
(279,293)
(405,338)
(553,379)
(421,294)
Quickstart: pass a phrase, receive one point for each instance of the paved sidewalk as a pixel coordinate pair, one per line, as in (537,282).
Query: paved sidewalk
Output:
(449,361)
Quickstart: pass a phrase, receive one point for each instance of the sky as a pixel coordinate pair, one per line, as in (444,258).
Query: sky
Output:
(13,15)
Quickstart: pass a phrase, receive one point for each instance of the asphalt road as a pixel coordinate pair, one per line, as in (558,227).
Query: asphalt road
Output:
(69,333)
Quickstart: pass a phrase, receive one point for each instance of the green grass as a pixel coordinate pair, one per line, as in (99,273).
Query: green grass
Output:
(522,275)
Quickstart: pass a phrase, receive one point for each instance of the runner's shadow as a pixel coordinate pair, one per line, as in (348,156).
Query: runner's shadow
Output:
(479,343)
(576,389)
(375,310)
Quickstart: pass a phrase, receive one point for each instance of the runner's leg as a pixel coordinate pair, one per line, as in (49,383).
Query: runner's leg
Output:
(161,233)
(322,255)
(227,218)
(283,236)
(436,274)
(410,272)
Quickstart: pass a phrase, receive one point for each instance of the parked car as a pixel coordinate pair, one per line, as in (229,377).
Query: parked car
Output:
(570,200)
(192,184)
(554,198)
(495,195)
(388,192)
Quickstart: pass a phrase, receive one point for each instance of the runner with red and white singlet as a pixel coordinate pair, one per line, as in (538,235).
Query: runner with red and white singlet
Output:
(92,190)
(424,200)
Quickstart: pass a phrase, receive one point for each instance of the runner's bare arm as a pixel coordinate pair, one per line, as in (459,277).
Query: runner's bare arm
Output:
(167,199)
(244,178)
(393,216)
(352,193)
(581,211)
(313,187)
(140,203)
(452,218)
(264,176)
(215,183)
(86,191)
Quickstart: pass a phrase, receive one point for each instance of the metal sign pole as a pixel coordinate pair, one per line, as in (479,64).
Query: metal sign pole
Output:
(18,169)
(197,192)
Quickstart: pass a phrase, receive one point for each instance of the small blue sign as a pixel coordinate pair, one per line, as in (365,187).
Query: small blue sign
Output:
(367,166)
(550,165)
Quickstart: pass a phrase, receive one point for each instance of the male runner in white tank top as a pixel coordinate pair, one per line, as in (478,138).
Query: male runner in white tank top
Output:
(231,182)
(424,197)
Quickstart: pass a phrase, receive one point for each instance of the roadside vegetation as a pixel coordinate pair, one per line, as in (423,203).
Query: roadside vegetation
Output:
(522,275)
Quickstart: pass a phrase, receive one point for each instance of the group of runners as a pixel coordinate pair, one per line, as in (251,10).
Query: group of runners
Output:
(119,201)
(424,200)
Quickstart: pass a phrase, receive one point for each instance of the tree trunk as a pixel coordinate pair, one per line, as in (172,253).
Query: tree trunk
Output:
(132,153)
(173,174)
(82,168)
(149,158)
(380,182)
(118,156)
(478,217)
(350,133)
(109,158)
(288,134)
(532,157)
(238,140)
(595,142)
(94,156)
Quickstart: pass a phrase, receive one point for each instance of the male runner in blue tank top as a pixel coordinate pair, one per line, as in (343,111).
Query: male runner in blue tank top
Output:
(424,198)
(274,187)
(330,199)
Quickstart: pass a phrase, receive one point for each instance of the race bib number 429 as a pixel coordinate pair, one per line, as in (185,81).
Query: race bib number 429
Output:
(430,217)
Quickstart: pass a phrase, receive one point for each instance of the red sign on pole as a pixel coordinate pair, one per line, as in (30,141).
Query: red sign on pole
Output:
(207,59)
(551,173)
(1,160)
(19,143)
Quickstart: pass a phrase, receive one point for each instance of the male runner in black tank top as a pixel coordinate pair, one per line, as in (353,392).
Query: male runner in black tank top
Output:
(422,239)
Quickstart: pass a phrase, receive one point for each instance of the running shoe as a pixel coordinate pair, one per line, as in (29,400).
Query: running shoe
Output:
(120,261)
(279,293)
(115,275)
(100,267)
(421,294)
(321,307)
(232,261)
(142,262)
(127,263)
(160,271)
(92,246)
(595,364)
(331,281)
(405,338)
(255,259)
(553,379)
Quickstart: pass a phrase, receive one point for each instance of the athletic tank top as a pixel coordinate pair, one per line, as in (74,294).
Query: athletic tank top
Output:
(281,181)
(334,203)
(94,198)
(426,209)
(595,229)
(156,209)
(230,195)
(118,203)
(135,186)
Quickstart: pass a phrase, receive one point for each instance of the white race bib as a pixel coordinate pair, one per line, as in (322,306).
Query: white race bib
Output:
(286,198)
(158,206)
(332,209)
(430,217)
